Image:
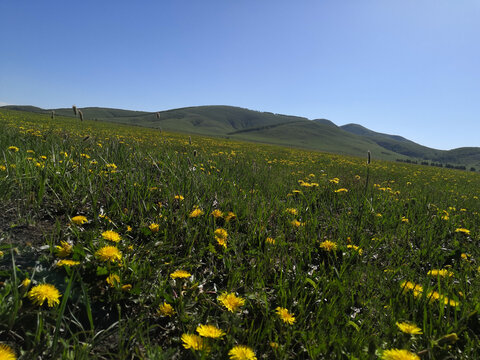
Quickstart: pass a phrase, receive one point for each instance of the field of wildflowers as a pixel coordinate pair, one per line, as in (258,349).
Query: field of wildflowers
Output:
(123,242)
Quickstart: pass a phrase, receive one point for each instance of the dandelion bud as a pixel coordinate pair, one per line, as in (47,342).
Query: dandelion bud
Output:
(448,339)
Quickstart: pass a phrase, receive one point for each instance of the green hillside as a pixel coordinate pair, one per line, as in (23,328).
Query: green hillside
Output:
(266,127)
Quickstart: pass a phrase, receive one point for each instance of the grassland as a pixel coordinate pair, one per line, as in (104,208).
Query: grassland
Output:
(285,130)
(294,254)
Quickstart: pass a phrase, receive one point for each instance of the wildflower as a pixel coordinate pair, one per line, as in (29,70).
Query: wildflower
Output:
(38,294)
(270,240)
(113,279)
(182,274)
(410,286)
(65,262)
(441,272)
(341,190)
(242,352)
(179,197)
(6,352)
(291,211)
(3,168)
(79,220)
(165,309)
(296,223)
(109,253)
(217,214)
(230,216)
(231,301)
(154,227)
(129,228)
(463,230)
(127,287)
(334,180)
(1,254)
(404,219)
(13,148)
(112,166)
(64,249)
(26,283)
(355,248)
(194,342)
(285,315)
(328,245)
(111,235)
(274,345)
(221,237)
(409,328)
(396,354)
(196,212)
(210,331)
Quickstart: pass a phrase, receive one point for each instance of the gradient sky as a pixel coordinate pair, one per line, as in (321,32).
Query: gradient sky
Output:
(405,67)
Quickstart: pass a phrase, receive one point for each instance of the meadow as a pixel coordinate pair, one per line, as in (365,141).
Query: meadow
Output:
(121,242)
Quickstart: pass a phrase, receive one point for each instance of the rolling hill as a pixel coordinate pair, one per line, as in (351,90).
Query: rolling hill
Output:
(266,127)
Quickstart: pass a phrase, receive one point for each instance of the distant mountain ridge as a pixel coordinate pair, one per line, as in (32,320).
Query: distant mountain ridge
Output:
(266,127)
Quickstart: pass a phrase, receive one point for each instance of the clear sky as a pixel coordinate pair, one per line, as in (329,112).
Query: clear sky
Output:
(404,67)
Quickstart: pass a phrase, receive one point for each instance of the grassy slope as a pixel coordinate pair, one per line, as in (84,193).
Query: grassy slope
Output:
(249,125)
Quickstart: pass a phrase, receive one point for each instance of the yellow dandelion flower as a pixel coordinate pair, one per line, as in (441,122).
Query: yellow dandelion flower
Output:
(79,220)
(441,273)
(66,262)
(210,331)
(291,211)
(165,309)
(111,235)
(274,345)
(129,228)
(270,240)
(64,250)
(328,245)
(179,197)
(396,354)
(7,353)
(285,315)
(410,286)
(242,352)
(196,213)
(409,328)
(13,148)
(341,190)
(231,301)
(355,248)
(182,274)
(38,294)
(296,223)
(26,283)
(109,253)
(404,219)
(154,227)
(127,287)
(217,213)
(194,342)
(113,279)
(230,216)
(334,180)
(463,230)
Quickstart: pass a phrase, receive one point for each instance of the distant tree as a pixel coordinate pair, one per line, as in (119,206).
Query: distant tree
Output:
(473,169)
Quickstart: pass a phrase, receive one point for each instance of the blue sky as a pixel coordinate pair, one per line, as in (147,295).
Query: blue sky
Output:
(408,67)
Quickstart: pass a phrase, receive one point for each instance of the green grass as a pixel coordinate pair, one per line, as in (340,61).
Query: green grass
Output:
(269,128)
(346,302)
